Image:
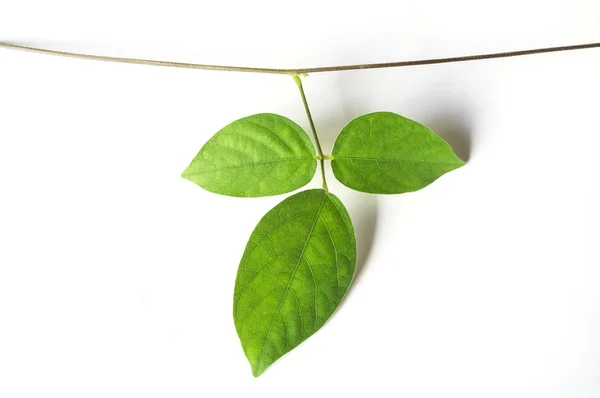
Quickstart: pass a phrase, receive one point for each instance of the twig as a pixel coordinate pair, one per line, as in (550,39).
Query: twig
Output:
(300,71)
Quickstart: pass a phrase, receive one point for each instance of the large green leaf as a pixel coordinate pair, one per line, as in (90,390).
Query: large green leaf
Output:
(297,266)
(259,155)
(383,152)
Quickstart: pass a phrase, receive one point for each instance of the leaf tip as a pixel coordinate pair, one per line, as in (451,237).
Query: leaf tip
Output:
(257,371)
(186,174)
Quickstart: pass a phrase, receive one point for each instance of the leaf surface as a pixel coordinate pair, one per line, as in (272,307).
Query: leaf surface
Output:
(386,153)
(259,155)
(297,266)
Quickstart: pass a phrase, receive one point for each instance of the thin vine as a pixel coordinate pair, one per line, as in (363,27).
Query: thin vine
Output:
(300,71)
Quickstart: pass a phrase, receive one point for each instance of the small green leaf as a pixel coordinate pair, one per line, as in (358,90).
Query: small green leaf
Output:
(383,152)
(259,155)
(297,266)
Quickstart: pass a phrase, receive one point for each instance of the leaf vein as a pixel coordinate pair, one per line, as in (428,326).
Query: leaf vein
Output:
(291,279)
(337,272)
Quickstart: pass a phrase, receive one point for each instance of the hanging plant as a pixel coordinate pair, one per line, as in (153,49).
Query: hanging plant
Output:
(300,259)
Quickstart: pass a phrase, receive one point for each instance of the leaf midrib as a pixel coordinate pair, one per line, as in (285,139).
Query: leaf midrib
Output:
(396,160)
(292,277)
(216,170)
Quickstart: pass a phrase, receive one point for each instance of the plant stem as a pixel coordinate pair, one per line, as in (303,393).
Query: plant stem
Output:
(322,157)
(300,71)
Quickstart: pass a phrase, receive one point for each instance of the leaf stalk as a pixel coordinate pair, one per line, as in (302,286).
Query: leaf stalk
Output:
(321,157)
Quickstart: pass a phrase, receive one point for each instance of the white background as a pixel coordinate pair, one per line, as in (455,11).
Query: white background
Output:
(116,275)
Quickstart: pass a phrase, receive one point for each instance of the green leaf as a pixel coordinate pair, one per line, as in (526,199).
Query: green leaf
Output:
(383,152)
(259,155)
(297,266)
